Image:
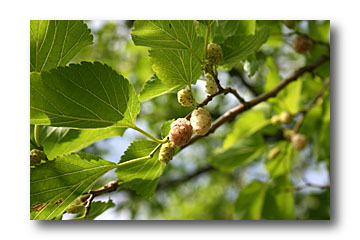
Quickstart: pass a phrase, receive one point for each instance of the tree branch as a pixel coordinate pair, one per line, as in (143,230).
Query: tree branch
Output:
(232,113)
(109,187)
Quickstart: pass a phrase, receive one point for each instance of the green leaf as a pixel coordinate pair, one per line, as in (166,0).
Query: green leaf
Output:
(96,209)
(178,50)
(275,39)
(289,98)
(155,88)
(55,184)
(172,34)
(239,46)
(166,127)
(284,198)
(242,152)
(228,28)
(54,43)
(280,164)
(175,67)
(319,30)
(86,95)
(272,77)
(249,203)
(248,123)
(59,141)
(142,176)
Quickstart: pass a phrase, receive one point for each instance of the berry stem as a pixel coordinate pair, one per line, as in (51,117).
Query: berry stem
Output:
(37,135)
(141,158)
(149,135)
(206,39)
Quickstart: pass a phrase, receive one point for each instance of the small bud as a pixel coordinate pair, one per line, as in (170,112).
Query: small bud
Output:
(185,97)
(36,156)
(180,132)
(273,153)
(301,44)
(167,152)
(200,121)
(299,141)
(275,119)
(214,53)
(285,117)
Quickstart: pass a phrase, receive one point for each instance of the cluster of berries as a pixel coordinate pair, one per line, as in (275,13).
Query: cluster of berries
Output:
(181,131)
(298,140)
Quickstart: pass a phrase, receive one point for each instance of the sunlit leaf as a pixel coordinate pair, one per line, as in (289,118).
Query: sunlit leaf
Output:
(58,141)
(239,46)
(242,152)
(86,95)
(175,67)
(97,208)
(141,175)
(54,43)
(155,88)
(247,124)
(55,184)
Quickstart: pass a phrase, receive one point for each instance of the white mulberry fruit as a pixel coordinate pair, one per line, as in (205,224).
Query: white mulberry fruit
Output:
(285,117)
(180,132)
(167,152)
(36,155)
(302,44)
(185,97)
(200,121)
(214,53)
(211,87)
(298,141)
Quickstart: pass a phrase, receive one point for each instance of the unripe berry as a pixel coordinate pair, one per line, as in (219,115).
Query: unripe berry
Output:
(185,97)
(285,117)
(167,152)
(273,153)
(302,44)
(76,206)
(214,53)
(180,132)
(298,141)
(275,119)
(36,156)
(207,66)
(200,121)
(211,87)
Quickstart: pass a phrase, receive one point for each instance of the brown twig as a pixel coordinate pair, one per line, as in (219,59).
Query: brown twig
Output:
(232,113)
(109,187)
